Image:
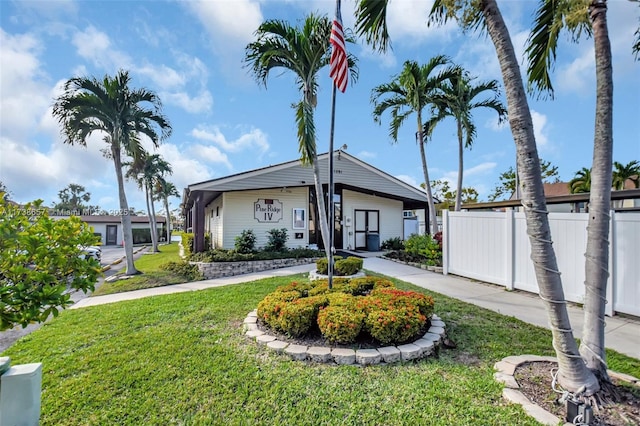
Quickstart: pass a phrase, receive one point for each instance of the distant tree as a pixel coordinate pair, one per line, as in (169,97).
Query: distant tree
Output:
(457,98)
(581,181)
(72,198)
(118,112)
(163,190)
(411,92)
(146,170)
(4,191)
(39,261)
(507,180)
(443,193)
(624,172)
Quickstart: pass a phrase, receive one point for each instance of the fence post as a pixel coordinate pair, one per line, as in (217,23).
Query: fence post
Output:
(445,242)
(510,249)
(609,308)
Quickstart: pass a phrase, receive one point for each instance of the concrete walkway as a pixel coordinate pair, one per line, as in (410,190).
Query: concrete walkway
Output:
(621,334)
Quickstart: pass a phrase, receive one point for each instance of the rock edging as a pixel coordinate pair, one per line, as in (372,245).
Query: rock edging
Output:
(211,270)
(421,348)
(505,370)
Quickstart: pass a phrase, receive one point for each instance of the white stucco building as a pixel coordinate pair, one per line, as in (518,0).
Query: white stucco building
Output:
(369,204)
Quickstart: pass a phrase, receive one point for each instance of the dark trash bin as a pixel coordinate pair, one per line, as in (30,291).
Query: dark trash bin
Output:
(373,242)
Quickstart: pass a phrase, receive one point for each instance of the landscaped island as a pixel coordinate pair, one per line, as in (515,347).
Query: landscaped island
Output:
(353,309)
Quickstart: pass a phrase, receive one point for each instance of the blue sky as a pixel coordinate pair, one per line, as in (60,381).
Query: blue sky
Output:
(190,53)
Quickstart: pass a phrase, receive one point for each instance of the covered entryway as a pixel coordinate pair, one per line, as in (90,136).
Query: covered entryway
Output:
(367,228)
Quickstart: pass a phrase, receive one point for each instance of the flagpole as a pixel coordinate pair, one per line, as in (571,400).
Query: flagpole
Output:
(331,187)
(339,72)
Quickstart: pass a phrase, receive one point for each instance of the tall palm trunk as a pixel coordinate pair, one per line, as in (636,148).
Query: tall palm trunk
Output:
(573,373)
(460,167)
(152,217)
(432,223)
(597,254)
(124,207)
(322,210)
(166,209)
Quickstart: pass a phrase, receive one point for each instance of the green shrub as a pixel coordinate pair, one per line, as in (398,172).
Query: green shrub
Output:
(394,297)
(184,269)
(352,307)
(348,266)
(222,255)
(341,267)
(302,288)
(395,325)
(277,240)
(246,242)
(364,285)
(425,247)
(269,308)
(416,244)
(187,243)
(322,264)
(297,317)
(322,286)
(340,324)
(392,244)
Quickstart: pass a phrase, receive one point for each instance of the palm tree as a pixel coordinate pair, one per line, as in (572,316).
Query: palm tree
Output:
(304,51)
(146,171)
(411,92)
(120,113)
(581,181)
(371,22)
(588,16)
(457,100)
(625,172)
(163,190)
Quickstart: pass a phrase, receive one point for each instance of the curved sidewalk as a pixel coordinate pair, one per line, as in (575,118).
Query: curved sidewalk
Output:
(621,334)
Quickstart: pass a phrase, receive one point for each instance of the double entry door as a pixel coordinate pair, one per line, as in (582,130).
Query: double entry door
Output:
(366,222)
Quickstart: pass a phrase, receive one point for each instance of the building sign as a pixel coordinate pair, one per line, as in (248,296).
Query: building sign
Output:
(266,210)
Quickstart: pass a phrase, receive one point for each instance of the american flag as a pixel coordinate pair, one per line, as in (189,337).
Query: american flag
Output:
(338,65)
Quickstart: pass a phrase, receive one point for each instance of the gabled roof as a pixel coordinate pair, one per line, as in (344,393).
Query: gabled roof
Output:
(118,219)
(349,171)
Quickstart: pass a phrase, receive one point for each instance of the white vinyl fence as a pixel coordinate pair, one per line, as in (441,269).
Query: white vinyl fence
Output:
(494,247)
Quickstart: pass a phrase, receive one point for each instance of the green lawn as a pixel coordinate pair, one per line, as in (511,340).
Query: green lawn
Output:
(149,264)
(183,359)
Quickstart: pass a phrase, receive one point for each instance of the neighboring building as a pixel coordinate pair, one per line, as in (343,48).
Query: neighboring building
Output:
(369,204)
(109,228)
(626,200)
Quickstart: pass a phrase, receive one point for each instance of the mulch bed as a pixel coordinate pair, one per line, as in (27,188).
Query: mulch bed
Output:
(535,380)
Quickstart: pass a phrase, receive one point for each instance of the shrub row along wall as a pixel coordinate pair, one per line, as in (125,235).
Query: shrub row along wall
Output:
(229,269)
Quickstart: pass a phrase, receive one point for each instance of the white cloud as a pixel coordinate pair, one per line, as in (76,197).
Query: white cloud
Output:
(211,154)
(578,75)
(187,169)
(367,154)
(95,46)
(203,102)
(408,179)
(161,75)
(255,139)
(480,169)
(408,20)
(229,34)
(23,85)
(540,129)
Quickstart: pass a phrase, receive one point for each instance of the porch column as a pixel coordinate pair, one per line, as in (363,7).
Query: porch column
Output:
(198,224)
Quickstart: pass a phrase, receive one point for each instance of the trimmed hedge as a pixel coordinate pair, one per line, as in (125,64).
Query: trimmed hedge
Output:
(353,308)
